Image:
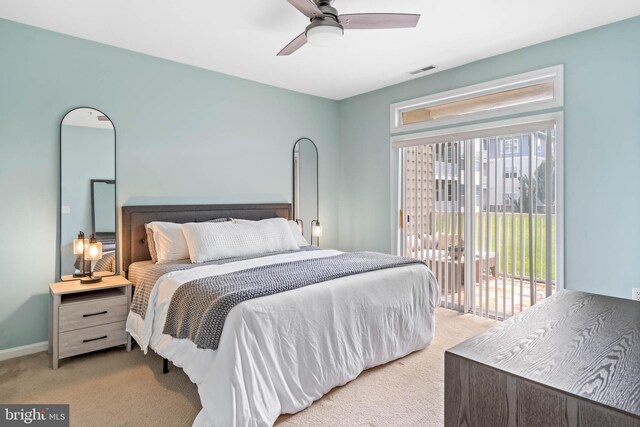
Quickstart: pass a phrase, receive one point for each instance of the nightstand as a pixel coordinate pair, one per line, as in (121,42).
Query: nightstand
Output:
(86,318)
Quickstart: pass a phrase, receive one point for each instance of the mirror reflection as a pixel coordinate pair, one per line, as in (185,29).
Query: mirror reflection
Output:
(103,215)
(87,195)
(305,189)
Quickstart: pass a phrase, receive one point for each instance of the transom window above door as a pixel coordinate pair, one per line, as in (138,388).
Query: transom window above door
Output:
(536,90)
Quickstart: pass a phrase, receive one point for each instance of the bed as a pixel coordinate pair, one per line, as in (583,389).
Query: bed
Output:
(277,353)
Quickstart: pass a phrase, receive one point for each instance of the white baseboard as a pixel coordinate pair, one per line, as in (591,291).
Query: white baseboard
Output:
(24,350)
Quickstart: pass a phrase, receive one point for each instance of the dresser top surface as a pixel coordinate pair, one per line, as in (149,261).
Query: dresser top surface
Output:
(582,344)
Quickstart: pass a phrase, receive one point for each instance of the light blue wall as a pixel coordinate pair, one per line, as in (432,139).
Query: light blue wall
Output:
(87,153)
(602,152)
(184,135)
(187,135)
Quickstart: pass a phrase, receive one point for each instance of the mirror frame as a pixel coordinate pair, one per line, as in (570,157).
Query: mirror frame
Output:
(293,170)
(115,207)
(93,205)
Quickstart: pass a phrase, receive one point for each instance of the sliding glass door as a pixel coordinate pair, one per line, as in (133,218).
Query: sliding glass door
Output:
(481,212)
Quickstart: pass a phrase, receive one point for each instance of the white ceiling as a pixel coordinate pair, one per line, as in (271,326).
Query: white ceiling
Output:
(242,38)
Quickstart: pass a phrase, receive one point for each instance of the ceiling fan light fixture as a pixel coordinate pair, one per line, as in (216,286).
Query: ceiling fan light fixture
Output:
(327,25)
(324,35)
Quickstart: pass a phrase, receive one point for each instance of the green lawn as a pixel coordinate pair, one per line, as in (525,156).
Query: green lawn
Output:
(512,235)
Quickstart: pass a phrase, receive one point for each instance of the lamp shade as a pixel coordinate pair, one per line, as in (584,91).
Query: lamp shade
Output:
(79,244)
(317,229)
(94,250)
(324,35)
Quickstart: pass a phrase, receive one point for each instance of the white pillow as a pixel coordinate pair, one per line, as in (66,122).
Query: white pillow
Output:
(151,244)
(169,240)
(211,241)
(300,240)
(297,234)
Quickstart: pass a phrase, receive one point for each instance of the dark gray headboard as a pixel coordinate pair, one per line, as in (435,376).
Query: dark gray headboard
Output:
(134,235)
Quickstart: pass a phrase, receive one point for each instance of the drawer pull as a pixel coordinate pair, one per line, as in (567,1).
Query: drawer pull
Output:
(95,339)
(95,314)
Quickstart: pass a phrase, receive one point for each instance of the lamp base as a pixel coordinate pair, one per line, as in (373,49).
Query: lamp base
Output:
(91,280)
(79,275)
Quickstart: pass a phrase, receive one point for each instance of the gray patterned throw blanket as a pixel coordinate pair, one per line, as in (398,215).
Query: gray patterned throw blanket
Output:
(146,279)
(199,308)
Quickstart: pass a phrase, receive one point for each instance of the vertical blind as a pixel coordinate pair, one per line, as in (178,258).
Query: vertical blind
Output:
(480,211)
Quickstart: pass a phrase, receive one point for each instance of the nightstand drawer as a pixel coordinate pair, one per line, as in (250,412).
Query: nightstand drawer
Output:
(91,339)
(91,313)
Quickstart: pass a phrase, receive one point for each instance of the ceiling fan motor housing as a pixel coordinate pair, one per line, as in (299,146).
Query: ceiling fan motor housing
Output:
(323,2)
(330,18)
(329,10)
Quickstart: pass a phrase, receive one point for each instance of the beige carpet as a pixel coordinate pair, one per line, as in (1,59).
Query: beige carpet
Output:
(116,388)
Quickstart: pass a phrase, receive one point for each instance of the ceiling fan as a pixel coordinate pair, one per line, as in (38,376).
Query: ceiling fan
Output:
(326,25)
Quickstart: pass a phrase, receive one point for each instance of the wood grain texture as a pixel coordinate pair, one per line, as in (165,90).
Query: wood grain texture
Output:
(73,287)
(78,313)
(129,295)
(487,388)
(473,397)
(580,344)
(91,313)
(53,328)
(134,246)
(91,339)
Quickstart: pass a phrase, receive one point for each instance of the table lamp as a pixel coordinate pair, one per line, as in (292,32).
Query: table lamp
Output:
(92,252)
(79,246)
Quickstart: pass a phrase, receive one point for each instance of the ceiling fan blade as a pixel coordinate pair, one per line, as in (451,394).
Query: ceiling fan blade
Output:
(307,7)
(294,45)
(372,21)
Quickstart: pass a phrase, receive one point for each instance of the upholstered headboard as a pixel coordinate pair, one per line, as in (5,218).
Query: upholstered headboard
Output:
(134,235)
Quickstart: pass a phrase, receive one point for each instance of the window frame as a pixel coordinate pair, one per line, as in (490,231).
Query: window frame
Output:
(512,143)
(553,74)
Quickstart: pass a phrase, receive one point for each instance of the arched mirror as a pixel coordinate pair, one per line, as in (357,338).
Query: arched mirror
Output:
(305,189)
(88,249)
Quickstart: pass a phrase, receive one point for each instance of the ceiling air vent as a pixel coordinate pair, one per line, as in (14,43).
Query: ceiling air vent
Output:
(422,70)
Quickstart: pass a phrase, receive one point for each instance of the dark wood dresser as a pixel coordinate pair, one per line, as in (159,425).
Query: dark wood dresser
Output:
(571,360)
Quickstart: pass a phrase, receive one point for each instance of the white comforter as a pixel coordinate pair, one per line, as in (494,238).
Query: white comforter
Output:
(279,353)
